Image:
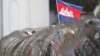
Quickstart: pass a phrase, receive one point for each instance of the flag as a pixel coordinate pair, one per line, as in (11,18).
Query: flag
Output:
(68,12)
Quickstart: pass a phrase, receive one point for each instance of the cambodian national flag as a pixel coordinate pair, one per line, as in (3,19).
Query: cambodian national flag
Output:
(68,12)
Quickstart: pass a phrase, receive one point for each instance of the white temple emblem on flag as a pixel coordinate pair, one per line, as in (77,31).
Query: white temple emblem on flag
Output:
(66,12)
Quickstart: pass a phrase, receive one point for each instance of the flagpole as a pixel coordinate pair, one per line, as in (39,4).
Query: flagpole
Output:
(59,23)
(57,12)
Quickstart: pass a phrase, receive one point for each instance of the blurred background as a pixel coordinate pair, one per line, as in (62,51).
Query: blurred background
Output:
(30,28)
(19,14)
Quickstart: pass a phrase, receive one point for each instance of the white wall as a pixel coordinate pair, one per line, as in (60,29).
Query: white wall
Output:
(1,27)
(39,13)
(19,14)
(97,11)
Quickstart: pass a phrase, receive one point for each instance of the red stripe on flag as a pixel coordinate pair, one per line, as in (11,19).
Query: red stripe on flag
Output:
(76,13)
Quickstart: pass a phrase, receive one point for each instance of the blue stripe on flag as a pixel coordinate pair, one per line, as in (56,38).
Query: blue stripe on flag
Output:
(76,7)
(65,19)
